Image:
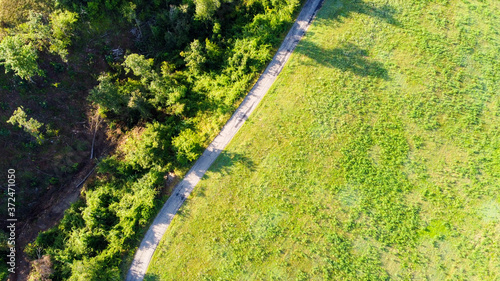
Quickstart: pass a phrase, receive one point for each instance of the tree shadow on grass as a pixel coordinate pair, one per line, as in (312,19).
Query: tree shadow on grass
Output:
(344,8)
(346,58)
(151,277)
(226,161)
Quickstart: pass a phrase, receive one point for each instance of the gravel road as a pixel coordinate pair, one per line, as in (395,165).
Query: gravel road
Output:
(155,232)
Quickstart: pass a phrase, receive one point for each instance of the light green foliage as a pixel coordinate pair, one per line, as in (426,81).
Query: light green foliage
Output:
(206,8)
(188,146)
(150,92)
(128,11)
(247,56)
(94,234)
(35,30)
(17,56)
(93,269)
(373,157)
(106,94)
(61,24)
(139,103)
(140,66)
(277,13)
(167,69)
(149,149)
(195,57)
(137,207)
(15,12)
(213,51)
(54,34)
(97,215)
(20,118)
(18,52)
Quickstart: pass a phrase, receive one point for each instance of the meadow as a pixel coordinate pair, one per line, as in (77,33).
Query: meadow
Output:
(375,156)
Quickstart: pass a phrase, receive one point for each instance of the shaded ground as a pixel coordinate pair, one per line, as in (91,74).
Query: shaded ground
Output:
(47,175)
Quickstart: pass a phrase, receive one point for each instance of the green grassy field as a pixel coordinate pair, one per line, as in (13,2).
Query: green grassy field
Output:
(376,155)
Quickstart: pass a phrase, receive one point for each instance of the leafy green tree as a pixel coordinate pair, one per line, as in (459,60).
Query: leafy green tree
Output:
(20,118)
(17,56)
(159,90)
(129,12)
(140,66)
(139,103)
(136,208)
(97,214)
(35,30)
(188,145)
(195,57)
(134,98)
(95,268)
(151,148)
(107,96)
(172,29)
(214,54)
(62,25)
(167,69)
(18,52)
(206,8)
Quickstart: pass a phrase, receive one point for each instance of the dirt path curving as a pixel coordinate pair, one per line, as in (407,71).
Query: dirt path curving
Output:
(155,232)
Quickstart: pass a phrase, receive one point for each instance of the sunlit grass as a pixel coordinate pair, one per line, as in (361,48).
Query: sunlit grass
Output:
(374,156)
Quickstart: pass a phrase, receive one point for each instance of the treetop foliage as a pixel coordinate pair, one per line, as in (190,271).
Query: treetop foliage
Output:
(62,24)
(20,57)
(19,50)
(139,66)
(31,126)
(206,8)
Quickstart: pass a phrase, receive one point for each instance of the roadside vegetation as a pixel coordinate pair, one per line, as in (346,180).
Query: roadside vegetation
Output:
(374,156)
(157,79)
